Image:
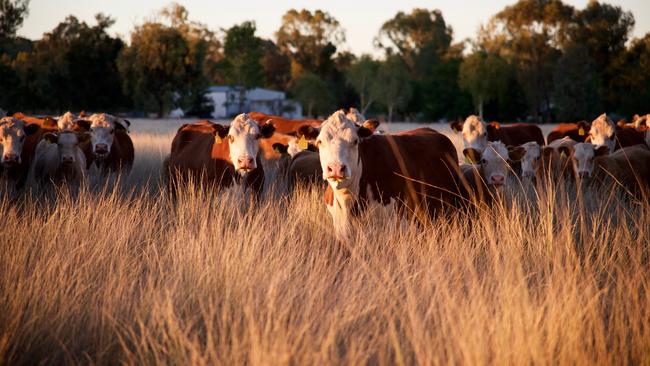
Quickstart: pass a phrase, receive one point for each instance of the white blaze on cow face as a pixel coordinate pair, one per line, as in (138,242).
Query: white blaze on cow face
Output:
(102,127)
(582,159)
(602,132)
(13,132)
(494,164)
(66,121)
(475,133)
(530,160)
(338,148)
(67,144)
(243,136)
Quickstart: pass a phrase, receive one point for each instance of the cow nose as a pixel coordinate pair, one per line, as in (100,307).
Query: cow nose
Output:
(67,159)
(101,148)
(245,162)
(11,158)
(336,170)
(497,179)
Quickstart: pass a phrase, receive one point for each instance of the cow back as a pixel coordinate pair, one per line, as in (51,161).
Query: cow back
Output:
(516,134)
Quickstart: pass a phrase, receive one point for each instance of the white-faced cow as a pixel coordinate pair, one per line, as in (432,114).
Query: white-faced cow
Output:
(59,159)
(17,145)
(219,154)
(416,168)
(110,148)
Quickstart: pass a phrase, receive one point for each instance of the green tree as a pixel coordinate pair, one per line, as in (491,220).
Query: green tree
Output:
(418,38)
(528,35)
(485,77)
(12,14)
(276,65)
(361,76)
(393,87)
(576,85)
(310,40)
(313,93)
(632,86)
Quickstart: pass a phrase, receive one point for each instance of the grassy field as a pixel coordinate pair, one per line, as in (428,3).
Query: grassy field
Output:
(132,276)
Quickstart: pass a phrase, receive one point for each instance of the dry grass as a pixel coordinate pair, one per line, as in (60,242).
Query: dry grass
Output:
(139,278)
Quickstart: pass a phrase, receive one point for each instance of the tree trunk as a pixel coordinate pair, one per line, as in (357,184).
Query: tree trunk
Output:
(480,107)
(390,113)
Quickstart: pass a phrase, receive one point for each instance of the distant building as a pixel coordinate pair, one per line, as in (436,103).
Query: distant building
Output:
(227,102)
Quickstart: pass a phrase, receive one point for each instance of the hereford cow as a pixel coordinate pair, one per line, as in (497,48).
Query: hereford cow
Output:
(17,143)
(110,147)
(283,125)
(211,152)
(59,159)
(493,162)
(604,132)
(628,167)
(414,168)
(477,133)
(576,131)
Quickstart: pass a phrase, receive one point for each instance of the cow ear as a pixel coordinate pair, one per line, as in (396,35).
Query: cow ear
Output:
(82,125)
(601,150)
(310,132)
(495,125)
(128,123)
(281,148)
(516,153)
(119,126)
(51,137)
(18,115)
(621,123)
(220,130)
(456,126)
(363,132)
(267,130)
(31,129)
(371,124)
(472,154)
(566,150)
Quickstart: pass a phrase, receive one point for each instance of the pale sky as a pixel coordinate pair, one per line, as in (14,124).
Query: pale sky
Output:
(360,19)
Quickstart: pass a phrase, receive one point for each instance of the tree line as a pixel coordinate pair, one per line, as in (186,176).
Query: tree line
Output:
(538,60)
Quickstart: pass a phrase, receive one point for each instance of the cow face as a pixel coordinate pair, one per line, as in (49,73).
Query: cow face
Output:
(602,132)
(243,137)
(67,145)
(13,132)
(493,161)
(583,157)
(102,130)
(475,133)
(530,159)
(338,146)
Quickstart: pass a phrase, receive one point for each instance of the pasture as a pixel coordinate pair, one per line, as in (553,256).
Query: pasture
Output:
(131,275)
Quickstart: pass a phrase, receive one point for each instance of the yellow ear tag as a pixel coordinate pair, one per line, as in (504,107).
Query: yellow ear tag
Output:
(217,139)
(562,154)
(302,143)
(581,131)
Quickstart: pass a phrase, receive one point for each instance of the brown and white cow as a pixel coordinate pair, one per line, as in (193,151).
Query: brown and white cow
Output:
(110,147)
(416,168)
(283,125)
(493,163)
(577,131)
(59,159)
(604,132)
(628,167)
(17,145)
(214,153)
(477,133)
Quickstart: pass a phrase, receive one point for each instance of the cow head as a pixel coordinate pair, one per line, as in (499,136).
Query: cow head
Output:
(243,137)
(355,116)
(66,121)
(475,133)
(530,159)
(582,157)
(102,131)
(12,139)
(338,142)
(602,132)
(67,143)
(493,161)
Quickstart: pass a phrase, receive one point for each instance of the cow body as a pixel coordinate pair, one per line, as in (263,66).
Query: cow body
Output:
(202,152)
(283,125)
(477,133)
(414,168)
(18,141)
(59,159)
(575,131)
(110,149)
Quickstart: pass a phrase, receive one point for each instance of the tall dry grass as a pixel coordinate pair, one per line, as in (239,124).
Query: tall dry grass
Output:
(132,276)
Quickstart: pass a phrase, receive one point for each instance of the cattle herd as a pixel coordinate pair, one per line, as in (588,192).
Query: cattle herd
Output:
(417,169)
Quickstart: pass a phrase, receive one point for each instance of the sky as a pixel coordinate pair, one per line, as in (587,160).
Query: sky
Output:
(361,20)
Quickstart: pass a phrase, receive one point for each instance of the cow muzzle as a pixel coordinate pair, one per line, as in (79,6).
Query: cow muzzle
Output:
(101,150)
(336,172)
(67,160)
(497,180)
(10,159)
(245,164)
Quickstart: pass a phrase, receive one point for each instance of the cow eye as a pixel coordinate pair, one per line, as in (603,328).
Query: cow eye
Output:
(355,141)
